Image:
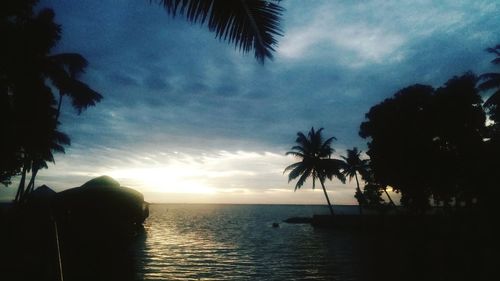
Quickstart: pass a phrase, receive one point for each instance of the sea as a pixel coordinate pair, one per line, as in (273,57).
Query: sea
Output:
(251,242)
(243,242)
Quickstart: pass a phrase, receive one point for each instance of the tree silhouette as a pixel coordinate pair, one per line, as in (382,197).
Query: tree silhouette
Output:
(63,70)
(353,165)
(427,143)
(316,161)
(372,194)
(491,81)
(372,190)
(248,24)
(37,159)
(458,132)
(396,145)
(29,110)
(10,156)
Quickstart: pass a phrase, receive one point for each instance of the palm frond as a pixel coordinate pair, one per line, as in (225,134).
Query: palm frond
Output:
(303,141)
(332,168)
(57,143)
(296,154)
(303,178)
(82,95)
(494,50)
(340,177)
(299,148)
(40,164)
(62,70)
(57,148)
(493,100)
(291,167)
(248,24)
(337,174)
(492,81)
(61,138)
(296,172)
(329,141)
(47,157)
(322,178)
(326,148)
(316,138)
(74,63)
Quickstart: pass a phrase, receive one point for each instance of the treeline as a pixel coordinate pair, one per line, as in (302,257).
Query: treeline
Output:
(437,147)
(33,83)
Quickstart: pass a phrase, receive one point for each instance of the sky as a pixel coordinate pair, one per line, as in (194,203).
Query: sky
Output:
(187,118)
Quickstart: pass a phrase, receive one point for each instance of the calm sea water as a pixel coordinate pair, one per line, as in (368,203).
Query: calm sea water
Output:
(238,242)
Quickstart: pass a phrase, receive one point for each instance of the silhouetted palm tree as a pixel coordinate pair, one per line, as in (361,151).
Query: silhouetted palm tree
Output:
(56,141)
(26,100)
(368,176)
(248,24)
(491,81)
(351,167)
(316,161)
(38,135)
(63,70)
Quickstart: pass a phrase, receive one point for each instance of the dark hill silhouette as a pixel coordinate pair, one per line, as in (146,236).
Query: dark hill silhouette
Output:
(99,223)
(102,205)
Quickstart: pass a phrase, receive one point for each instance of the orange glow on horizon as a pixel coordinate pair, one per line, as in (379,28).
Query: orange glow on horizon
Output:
(167,179)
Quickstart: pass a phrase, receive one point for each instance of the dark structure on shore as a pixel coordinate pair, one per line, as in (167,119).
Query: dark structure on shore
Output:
(100,207)
(83,233)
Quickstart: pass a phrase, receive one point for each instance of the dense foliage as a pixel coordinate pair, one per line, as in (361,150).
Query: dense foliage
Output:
(432,145)
(29,77)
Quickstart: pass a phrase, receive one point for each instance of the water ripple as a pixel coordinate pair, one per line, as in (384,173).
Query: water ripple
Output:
(227,242)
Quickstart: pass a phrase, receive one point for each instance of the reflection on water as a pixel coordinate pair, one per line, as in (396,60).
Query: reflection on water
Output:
(238,242)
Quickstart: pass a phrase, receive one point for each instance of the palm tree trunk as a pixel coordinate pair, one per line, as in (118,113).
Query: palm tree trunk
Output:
(327,199)
(20,189)
(360,194)
(31,184)
(388,196)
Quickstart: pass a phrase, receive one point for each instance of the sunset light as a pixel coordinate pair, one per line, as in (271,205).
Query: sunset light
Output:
(249,140)
(168,179)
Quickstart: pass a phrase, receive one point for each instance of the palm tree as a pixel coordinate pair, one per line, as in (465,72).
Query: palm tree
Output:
(316,161)
(491,81)
(63,70)
(351,167)
(27,99)
(55,143)
(37,134)
(248,24)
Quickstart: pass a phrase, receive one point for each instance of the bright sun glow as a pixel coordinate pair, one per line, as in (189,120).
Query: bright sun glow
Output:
(165,179)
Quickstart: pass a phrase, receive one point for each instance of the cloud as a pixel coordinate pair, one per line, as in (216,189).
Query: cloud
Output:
(219,175)
(375,32)
(169,86)
(329,31)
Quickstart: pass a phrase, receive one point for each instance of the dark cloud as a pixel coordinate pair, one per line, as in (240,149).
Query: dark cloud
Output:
(170,86)
(122,80)
(155,83)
